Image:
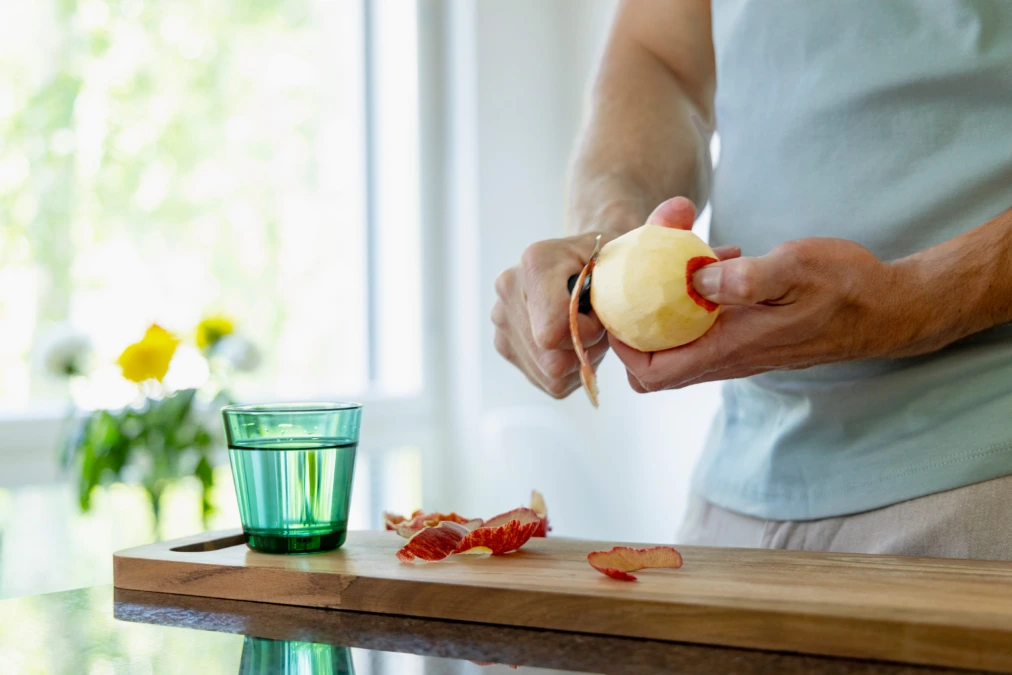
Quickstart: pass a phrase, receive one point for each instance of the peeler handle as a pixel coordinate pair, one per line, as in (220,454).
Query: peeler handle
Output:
(584,306)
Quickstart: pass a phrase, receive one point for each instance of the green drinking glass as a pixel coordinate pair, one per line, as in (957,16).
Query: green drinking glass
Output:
(261,656)
(292,465)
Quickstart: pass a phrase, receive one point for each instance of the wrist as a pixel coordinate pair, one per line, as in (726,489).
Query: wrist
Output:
(916,313)
(610,219)
(953,290)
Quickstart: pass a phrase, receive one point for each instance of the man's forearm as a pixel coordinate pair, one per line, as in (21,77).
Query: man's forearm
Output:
(959,287)
(646,140)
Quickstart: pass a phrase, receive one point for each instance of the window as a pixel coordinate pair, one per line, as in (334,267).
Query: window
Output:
(162,160)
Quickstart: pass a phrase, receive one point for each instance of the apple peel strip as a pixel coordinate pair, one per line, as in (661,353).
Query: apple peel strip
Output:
(502,534)
(621,560)
(392,520)
(433,543)
(407,527)
(587,376)
(538,506)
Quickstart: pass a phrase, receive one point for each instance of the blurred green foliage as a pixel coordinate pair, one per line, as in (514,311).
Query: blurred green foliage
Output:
(146,122)
(166,439)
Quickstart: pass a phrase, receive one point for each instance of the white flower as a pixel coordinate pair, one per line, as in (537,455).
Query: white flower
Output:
(238,351)
(63,352)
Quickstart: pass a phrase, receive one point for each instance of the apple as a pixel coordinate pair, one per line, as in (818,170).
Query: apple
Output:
(641,288)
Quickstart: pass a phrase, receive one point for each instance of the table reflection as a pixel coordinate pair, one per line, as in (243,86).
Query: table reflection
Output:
(263,656)
(97,631)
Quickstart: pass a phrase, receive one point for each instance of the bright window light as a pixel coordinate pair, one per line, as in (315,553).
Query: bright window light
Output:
(159,161)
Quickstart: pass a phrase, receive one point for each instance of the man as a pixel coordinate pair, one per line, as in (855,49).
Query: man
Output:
(864,344)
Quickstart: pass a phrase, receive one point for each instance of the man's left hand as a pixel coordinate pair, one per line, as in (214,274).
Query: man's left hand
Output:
(808,302)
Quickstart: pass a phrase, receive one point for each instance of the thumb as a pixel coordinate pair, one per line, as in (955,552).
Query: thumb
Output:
(677,213)
(742,281)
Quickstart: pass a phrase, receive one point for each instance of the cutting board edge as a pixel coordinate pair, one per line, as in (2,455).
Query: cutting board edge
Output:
(697,624)
(163,552)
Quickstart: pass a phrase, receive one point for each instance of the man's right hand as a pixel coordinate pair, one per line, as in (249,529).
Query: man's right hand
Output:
(531,316)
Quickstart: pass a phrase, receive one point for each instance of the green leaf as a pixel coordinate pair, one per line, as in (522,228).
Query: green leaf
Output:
(103,450)
(202,439)
(88,478)
(205,474)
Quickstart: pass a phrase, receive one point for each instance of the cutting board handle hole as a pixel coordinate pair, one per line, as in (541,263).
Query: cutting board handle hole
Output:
(211,545)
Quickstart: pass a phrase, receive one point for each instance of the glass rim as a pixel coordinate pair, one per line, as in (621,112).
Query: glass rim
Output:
(296,408)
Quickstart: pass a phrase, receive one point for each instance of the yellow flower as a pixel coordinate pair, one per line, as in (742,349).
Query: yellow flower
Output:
(212,329)
(149,359)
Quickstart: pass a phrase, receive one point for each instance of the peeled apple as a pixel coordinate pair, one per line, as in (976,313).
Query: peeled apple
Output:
(642,292)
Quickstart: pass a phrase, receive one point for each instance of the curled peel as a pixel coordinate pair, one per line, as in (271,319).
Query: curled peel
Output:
(587,376)
(433,543)
(501,534)
(419,521)
(619,561)
(435,536)
(538,506)
(392,520)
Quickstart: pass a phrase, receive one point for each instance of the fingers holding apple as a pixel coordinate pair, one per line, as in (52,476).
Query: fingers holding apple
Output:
(642,288)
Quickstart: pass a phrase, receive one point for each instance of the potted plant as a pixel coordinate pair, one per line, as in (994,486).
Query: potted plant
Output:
(164,434)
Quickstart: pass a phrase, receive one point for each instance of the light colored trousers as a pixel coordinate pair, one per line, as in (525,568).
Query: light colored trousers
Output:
(969,522)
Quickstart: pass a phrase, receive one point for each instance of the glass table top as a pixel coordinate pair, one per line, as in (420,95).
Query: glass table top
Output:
(103,631)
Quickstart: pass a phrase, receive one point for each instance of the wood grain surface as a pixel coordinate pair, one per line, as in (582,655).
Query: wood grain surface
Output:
(913,610)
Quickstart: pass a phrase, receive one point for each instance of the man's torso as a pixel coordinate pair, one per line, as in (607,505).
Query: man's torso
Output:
(889,123)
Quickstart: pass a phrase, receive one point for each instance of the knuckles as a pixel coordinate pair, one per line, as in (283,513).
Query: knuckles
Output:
(549,332)
(505,283)
(532,259)
(558,389)
(498,316)
(794,251)
(819,253)
(555,364)
(741,280)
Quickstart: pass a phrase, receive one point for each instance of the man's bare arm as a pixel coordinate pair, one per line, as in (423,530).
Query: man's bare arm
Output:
(648,132)
(645,141)
(957,288)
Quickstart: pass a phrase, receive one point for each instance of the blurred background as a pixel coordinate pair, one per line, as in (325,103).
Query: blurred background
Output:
(266,200)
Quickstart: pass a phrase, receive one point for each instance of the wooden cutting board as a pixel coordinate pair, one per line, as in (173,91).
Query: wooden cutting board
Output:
(913,610)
